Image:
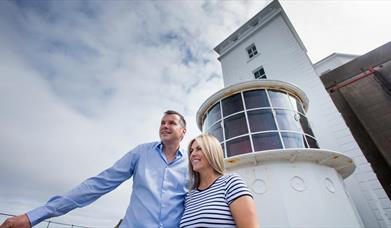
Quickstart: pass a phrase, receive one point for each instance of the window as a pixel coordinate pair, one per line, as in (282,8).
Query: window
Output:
(214,114)
(238,146)
(279,99)
(293,140)
(269,118)
(261,120)
(312,142)
(217,131)
(232,104)
(256,99)
(251,51)
(259,73)
(235,125)
(286,120)
(266,141)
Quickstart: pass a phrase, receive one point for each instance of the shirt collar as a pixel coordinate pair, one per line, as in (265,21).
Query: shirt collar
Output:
(179,152)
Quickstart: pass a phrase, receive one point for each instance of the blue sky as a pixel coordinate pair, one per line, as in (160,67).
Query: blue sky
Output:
(82,82)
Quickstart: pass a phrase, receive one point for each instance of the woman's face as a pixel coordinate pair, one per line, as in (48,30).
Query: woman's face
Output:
(197,158)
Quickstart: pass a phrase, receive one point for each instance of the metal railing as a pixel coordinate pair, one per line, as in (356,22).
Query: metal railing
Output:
(50,223)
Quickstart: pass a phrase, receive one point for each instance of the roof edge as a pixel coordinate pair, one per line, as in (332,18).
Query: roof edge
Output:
(259,20)
(335,54)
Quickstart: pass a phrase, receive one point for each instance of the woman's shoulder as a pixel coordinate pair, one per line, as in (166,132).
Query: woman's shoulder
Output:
(231,176)
(231,179)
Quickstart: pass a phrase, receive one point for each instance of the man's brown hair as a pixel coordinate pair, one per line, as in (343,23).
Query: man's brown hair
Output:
(182,120)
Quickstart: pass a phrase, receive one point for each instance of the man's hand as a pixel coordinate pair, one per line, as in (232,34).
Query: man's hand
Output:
(21,221)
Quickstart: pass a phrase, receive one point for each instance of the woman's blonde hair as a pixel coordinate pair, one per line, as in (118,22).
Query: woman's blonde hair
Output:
(213,153)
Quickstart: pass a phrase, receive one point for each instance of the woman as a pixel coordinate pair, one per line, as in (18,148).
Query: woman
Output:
(215,199)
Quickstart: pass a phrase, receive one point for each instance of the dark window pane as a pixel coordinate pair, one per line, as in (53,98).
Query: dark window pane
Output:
(293,140)
(305,125)
(217,131)
(312,142)
(232,104)
(256,99)
(238,146)
(288,120)
(296,104)
(279,99)
(260,73)
(235,125)
(214,114)
(261,120)
(266,141)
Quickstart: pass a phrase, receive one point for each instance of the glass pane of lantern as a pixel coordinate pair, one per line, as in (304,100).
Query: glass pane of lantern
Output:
(232,104)
(293,140)
(238,146)
(235,125)
(261,120)
(296,104)
(279,99)
(256,99)
(204,125)
(217,131)
(305,125)
(267,141)
(214,114)
(312,142)
(288,120)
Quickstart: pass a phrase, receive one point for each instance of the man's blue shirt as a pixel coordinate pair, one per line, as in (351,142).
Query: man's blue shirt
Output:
(159,189)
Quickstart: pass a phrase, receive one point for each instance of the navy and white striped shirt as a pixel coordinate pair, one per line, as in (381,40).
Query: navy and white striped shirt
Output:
(210,207)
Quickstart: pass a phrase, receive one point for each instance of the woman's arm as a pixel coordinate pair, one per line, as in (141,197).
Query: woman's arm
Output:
(244,212)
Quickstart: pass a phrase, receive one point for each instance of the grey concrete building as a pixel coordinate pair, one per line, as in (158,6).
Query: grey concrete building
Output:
(361,91)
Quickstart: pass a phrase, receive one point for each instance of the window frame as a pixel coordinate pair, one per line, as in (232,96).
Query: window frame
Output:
(252,51)
(263,76)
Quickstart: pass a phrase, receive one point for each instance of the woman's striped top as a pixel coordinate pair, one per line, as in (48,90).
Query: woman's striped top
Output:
(210,207)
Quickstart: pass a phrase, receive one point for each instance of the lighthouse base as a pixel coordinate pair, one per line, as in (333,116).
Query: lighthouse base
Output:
(298,188)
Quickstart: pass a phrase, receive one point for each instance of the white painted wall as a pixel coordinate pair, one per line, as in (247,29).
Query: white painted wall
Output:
(295,194)
(283,59)
(331,62)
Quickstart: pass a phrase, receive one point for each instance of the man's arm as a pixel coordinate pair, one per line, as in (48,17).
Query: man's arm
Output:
(21,221)
(85,193)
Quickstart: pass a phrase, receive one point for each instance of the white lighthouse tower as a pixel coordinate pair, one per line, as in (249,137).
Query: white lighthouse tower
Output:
(260,119)
(264,131)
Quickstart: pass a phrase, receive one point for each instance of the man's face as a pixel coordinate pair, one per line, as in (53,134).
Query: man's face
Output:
(171,130)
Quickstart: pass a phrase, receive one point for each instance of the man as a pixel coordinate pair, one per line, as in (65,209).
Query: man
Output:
(159,171)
